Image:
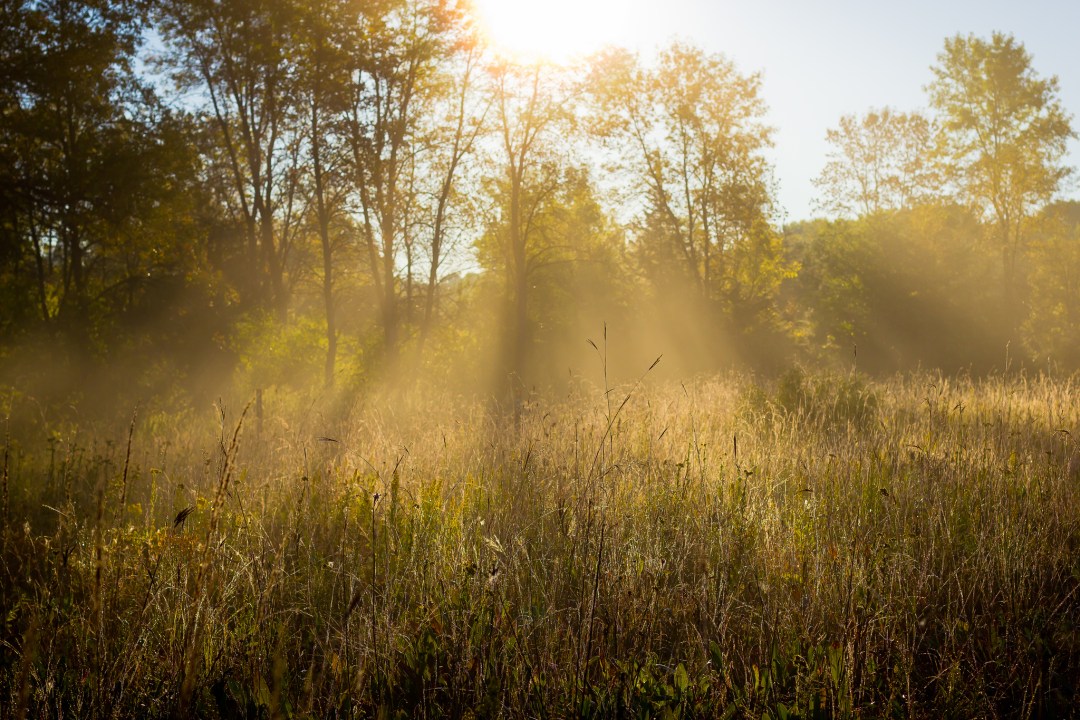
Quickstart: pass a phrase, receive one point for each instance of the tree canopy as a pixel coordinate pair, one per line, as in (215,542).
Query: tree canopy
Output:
(1005,133)
(284,192)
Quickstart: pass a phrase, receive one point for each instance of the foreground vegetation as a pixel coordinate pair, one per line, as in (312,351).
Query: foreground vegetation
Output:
(810,547)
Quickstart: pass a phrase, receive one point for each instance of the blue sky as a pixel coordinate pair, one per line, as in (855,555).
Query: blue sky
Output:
(824,59)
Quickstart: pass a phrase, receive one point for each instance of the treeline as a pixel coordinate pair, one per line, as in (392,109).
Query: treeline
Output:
(199,191)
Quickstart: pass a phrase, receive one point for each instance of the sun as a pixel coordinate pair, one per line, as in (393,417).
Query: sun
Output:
(560,30)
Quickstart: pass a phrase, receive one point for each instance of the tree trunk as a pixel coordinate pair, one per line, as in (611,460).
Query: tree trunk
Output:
(519,330)
(327,249)
(389,304)
(278,296)
(39,266)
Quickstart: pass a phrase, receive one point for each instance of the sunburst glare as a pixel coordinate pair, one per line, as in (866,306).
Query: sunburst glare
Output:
(560,30)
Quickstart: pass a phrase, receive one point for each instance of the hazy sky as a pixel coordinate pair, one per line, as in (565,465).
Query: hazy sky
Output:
(825,58)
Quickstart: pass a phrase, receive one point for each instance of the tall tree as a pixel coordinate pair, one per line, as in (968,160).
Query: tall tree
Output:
(453,130)
(530,107)
(882,161)
(1005,136)
(89,154)
(235,56)
(322,92)
(690,135)
(397,49)
(102,252)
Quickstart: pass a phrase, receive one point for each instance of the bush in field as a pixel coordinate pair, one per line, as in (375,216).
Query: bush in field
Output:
(820,399)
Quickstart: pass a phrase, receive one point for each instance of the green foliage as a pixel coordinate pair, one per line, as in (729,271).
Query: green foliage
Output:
(1005,135)
(1052,328)
(689,130)
(98,174)
(913,269)
(577,274)
(370,166)
(899,289)
(273,354)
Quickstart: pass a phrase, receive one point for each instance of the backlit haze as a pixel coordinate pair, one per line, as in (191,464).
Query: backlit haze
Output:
(819,60)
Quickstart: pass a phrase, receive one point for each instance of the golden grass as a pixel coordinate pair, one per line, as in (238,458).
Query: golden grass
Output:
(816,547)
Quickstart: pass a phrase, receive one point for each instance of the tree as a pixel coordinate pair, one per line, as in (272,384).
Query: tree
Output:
(571,257)
(398,48)
(322,92)
(880,162)
(91,157)
(904,287)
(102,241)
(1052,328)
(690,137)
(454,128)
(66,132)
(236,56)
(1005,135)
(530,106)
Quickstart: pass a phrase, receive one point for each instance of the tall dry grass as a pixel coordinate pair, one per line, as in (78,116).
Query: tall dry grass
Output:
(819,546)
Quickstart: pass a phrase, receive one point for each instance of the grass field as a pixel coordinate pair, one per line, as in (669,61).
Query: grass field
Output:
(815,546)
